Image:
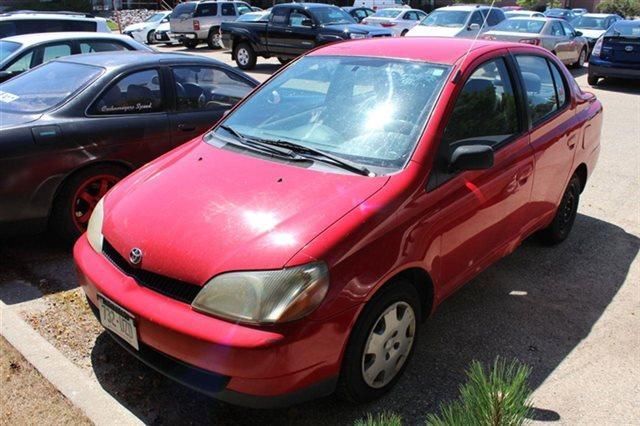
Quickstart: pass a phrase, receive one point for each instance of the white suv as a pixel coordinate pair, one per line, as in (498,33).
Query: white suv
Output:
(196,22)
(458,21)
(25,22)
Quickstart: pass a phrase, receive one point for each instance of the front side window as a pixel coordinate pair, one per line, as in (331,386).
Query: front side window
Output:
(45,87)
(54,51)
(541,92)
(556,29)
(446,18)
(296,18)
(485,112)
(136,93)
(370,111)
(207,9)
(21,64)
(206,88)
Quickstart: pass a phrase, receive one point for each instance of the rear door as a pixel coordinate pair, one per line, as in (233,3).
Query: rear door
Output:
(573,47)
(561,41)
(202,95)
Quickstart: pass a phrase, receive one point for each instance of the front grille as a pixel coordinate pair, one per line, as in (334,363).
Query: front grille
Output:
(170,287)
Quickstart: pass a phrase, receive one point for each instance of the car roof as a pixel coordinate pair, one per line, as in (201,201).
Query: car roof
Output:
(122,59)
(29,39)
(427,49)
(465,7)
(533,18)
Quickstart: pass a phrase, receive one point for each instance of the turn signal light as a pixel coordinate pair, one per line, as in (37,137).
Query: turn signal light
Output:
(196,25)
(534,41)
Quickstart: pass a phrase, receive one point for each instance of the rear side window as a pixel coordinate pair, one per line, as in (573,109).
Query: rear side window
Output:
(23,63)
(137,93)
(54,51)
(80,26)
(476,18)
(228,9)
(209,9)
(183,10)
(542,99)
(485,110)
(92,46)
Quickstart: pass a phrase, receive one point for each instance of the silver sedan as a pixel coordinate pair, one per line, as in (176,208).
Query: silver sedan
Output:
(555,35)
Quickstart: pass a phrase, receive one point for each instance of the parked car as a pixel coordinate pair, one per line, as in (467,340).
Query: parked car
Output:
(555,35)
(579,11)
(458,21)
(332,210)
(261,16)
(73,127)
(21,53)
(359,13)
(163,34)
(523,14)
(144,31)
(379,4)
(196,22)
(400,20)
(29,22)
(593,25)
(565,14)
(293,29)
(616,53)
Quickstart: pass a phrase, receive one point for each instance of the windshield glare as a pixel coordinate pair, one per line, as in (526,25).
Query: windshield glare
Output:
(7,48)
(446,18)
(45,87)
(520,26)
(370,111)
(155,17)
(589,23)
(332,15)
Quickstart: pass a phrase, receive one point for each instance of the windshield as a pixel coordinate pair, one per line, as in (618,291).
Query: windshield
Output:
(156,17)
(45,87)
(556,12)
(332,15)
(183,10)
(370,111)
(625,29)
(520,26)
(387,13)
(446,18)
(7,48)
(590,23)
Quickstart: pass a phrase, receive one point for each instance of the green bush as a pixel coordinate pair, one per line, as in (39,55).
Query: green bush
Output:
(381,419)
(626,8)
(499,397)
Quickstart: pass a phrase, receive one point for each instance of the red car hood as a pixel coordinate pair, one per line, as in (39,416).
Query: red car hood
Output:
(202,210)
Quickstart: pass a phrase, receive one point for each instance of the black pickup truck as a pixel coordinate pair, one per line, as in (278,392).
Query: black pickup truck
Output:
(292,29)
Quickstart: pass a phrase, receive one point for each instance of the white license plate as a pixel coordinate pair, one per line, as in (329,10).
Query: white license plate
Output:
(118,320)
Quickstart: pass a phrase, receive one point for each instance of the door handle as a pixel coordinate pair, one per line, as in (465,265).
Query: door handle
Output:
(571,142)
(288,31)
(186,127)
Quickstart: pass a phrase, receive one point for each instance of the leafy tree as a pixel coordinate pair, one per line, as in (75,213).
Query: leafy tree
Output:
(626,8)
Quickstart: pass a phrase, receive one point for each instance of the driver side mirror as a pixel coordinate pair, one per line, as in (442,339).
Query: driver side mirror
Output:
(6,75)
(471,157)
(474,27)
(307,23)
(577,33)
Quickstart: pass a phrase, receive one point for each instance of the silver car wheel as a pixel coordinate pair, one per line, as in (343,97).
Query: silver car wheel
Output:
(388,345)
(582,58)
(243,56)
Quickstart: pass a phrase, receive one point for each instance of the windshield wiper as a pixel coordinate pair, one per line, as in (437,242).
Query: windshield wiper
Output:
(316,154)
(260,145)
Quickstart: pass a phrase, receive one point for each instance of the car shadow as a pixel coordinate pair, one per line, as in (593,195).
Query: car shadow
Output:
(619,85)
(535,305)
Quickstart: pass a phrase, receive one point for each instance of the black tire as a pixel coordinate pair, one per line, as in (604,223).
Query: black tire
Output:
(190,44)
(592,80)
(559,229)
(63,214)
(245,56)
(283,61)
(150,39)
(404,33)
(581,59)
(214,40)
(351,384)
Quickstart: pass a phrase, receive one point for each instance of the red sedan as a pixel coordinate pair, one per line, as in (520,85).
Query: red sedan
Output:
(297,247)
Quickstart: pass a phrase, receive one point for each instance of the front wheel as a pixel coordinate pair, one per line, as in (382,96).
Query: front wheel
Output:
(404,33)
(214,41)
(150,37)
(381,343)
(559,229)
(245,56)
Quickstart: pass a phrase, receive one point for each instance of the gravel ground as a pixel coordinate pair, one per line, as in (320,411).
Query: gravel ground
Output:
(571,312)
(27,398)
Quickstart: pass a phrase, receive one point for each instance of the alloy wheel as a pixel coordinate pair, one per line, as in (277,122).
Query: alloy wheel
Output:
(243,56)
(87,196)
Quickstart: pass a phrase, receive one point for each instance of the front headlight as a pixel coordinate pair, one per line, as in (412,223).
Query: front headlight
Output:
(94,228)
(357,36)
(260,297)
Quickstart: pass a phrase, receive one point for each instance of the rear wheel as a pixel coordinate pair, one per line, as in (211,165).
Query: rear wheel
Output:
(245,56)
(566,214)
(381,343)
(190,44)
(404,33)
(78,197)
(592,80)
(214,41)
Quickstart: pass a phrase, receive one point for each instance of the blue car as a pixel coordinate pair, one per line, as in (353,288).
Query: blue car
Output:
(616,53)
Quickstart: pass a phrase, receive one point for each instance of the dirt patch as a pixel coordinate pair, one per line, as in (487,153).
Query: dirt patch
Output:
(28,398)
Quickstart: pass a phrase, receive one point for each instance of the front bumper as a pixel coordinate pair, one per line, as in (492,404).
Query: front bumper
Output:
(602,68)
(251,366)
(164,37)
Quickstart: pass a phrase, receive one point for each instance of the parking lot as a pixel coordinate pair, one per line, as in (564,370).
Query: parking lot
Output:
(571,312)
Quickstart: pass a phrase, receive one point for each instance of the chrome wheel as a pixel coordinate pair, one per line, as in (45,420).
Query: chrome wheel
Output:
(243,56)
(388,345)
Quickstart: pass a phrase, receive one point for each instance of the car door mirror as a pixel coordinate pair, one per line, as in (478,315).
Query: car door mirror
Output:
(307,23)
(6,75)
(577,34)
(474,27)
(471,157)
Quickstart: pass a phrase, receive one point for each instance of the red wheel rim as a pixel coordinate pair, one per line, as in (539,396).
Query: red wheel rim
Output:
(87,196)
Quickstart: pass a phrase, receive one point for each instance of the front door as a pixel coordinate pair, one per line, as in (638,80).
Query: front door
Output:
(301,33)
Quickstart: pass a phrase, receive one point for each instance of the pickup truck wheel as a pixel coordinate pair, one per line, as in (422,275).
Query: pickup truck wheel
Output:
(190,44)
(214,41)
(566,214)
(283,61)
(245,56)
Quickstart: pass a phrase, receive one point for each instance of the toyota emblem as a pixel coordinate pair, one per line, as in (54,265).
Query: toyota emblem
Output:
(628,48)
(135,256)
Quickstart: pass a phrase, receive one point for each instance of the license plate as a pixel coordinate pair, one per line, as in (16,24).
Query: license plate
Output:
(118,320)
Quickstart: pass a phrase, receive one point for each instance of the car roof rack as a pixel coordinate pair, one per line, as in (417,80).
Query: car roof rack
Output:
(46,12)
